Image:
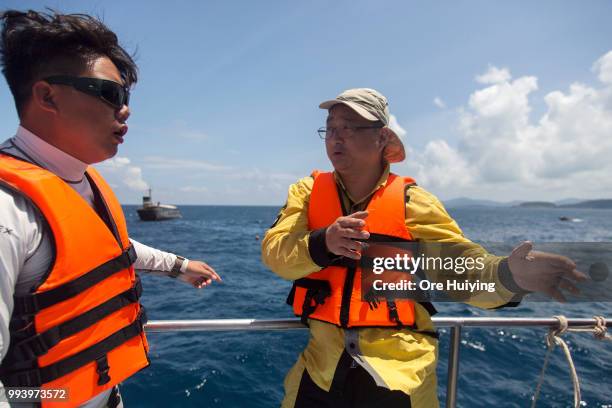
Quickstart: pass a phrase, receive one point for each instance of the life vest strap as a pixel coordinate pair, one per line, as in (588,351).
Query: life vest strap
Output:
(317,290)
(32,303)
(429,307)
(370,297)
(39,344)
(393,314)
(39,376)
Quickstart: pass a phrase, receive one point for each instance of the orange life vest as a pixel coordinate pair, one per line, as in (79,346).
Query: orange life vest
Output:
(334,294)
(81,327)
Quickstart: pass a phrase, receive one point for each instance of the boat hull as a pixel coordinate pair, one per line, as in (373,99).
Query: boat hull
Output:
(158,214)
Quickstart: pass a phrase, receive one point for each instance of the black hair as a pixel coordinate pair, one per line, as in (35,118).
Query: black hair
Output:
(35,45)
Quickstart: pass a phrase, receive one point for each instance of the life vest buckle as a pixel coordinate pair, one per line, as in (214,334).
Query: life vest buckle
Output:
(102,369)
(33,347)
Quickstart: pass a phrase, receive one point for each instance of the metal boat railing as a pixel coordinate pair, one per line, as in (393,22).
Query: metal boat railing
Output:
(456,324)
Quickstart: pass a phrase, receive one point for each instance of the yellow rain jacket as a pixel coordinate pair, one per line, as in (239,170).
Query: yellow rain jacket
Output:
(398,359)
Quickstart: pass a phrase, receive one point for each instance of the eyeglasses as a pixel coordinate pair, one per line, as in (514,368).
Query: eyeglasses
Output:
(110,92)
(326,133)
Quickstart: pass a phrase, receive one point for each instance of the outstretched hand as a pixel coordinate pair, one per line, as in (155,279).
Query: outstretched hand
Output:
(199,274)
(544,272)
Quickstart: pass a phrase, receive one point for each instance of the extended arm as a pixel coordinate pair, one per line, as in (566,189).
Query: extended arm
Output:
(151,260)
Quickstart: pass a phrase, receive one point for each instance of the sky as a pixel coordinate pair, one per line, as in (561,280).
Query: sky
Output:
(493,100)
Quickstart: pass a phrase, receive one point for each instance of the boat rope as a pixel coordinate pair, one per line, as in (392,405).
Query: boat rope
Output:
(553,339)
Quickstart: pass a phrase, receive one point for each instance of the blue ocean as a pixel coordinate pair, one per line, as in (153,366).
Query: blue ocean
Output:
(498,367)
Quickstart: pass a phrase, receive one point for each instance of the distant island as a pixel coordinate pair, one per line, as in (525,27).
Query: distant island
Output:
(464,202)
(590,204)
(537,204)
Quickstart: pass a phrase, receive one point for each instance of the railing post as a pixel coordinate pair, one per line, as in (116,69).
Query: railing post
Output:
(453,365)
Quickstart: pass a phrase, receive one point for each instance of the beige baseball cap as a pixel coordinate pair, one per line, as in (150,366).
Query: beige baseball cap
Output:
(371,105)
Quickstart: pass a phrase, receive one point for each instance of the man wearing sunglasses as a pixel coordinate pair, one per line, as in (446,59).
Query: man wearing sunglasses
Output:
(376,351)
(69,312)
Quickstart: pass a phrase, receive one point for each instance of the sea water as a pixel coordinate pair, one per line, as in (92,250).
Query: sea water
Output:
(498,366)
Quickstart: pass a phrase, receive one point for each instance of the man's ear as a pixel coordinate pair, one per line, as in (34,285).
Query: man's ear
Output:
(383,137)
(44,96)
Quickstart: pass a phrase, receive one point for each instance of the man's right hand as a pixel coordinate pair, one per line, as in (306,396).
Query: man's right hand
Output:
(544,272)
(341,235)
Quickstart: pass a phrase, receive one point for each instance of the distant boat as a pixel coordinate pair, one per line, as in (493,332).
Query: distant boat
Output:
(156,212)
(571,219)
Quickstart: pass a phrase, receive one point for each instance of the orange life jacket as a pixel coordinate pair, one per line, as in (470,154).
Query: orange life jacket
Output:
(334,294)
(81,327)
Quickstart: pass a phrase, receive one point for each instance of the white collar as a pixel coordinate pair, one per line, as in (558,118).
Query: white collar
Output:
(50,157)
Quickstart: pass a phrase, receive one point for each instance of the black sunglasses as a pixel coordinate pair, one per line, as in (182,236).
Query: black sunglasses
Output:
(110,92)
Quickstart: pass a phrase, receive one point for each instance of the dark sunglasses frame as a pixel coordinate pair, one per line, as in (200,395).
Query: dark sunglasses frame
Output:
(110,92)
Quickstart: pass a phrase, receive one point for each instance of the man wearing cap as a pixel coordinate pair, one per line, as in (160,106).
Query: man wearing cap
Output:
(360,353)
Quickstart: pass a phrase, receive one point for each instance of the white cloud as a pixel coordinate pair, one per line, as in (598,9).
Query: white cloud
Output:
(438,165)
(494,129)
(118,171)
(439,103)
(494,75)
(565,152)
(396,127)
(603,67)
